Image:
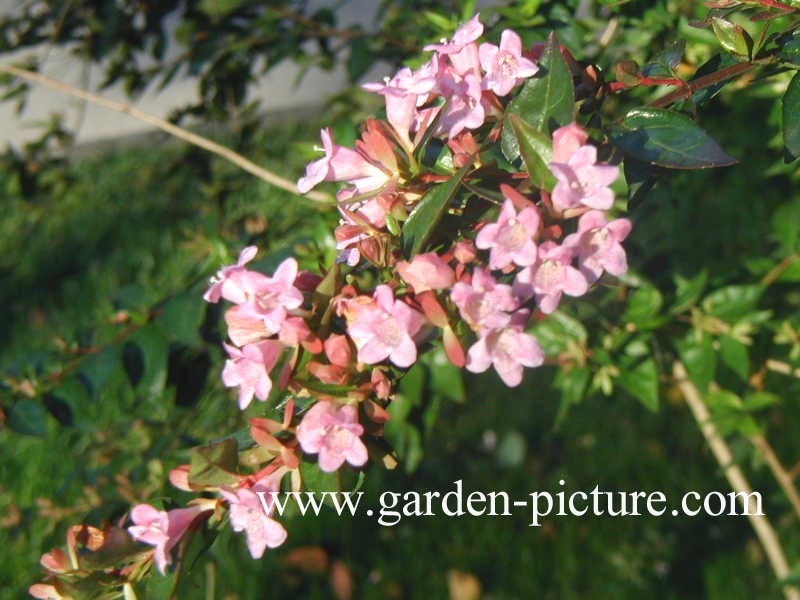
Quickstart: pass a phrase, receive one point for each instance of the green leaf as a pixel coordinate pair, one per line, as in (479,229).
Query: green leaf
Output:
(573,384)
(546,101)
(786,226)
(98,369)
(317,480)
(643,306)
(727,410)
(642,383)
(760,400)
(420,224)
(219,9)
(360,58)
(181,318)
(688,291)
(155,349)
(537,151)
(699,358)
(555,333)
(667,139)
(214,464)
(732,37)
(734,355)
(732,302)
(446,380)
(27,417)
(791,118)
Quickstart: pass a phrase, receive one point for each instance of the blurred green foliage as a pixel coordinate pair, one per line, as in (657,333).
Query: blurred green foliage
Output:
(109,372)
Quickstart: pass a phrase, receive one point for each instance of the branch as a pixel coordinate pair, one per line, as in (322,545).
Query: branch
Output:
(178,132)
(736,478)
(782,476)
(782,368)
(700,83)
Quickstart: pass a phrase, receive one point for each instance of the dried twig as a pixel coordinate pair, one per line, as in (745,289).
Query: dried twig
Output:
(180,133)
(736,478)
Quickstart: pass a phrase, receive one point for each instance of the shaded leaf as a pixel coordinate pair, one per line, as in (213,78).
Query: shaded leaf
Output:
(667,139)
(27,417)
(791,118)
(688,291)
(641,382)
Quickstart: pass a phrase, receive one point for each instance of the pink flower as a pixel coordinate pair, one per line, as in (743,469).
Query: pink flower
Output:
(509,349)
(566,141)
(334,433)
(402,94)
(551,276)
(582,182)
(383,328)
(464,35)
(426,272)
(463,109)
(249,369)
(46,592)
(598,245)
(161,529)
(234,282)
(250,514)
(484,303)
(510,239)
(464,252)
(341,164)
(271,298)
(505,66)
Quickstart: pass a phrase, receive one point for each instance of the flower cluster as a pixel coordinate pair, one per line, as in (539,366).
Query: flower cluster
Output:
(333,346)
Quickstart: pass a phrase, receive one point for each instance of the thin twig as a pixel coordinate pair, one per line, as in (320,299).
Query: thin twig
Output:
(782,368)
(736,478)
(180,133)
(778,471)
(702,82)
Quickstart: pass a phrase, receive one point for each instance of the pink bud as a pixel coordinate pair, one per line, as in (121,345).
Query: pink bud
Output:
(338,351)
(465,252)
(381,384)
(426,272)
(179,477)
(566,141)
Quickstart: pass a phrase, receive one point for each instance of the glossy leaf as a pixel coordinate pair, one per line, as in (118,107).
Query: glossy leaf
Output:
(667,139)
(732,37)
(427,214)
(536,150)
